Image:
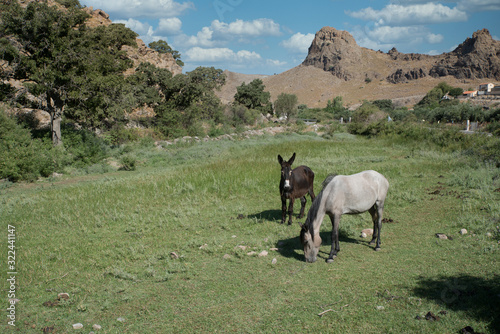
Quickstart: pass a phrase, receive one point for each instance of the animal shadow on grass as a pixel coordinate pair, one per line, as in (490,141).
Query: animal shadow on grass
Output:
(477,296)
(292,248)
(267,215)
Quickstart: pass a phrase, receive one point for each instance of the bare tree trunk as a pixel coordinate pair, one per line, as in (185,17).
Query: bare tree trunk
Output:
(55,128)
(55,106)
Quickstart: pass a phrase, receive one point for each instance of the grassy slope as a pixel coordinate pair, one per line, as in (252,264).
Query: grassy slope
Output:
(107,241)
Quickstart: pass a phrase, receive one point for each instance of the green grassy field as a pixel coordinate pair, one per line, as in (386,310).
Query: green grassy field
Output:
(107,240)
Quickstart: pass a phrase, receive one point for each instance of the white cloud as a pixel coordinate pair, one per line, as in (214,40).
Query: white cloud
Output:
(220,55)
(478,5)
(298,43)
(255,28)
(220,33)
(417,14)
(275,63)
(136,26)
(434,38)
(170,26)
(140,8)
(385,37)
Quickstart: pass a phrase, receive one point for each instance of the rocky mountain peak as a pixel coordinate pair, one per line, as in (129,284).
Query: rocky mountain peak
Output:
(333,50)
(337,52)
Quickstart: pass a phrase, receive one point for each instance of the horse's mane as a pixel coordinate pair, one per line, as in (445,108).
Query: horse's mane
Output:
(313,211)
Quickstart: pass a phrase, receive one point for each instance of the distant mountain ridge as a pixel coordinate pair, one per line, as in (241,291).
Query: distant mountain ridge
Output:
(337,66)
(337,52)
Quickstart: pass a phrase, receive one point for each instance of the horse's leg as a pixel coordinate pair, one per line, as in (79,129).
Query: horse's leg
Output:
(303,202)
(290,210)
(335,218)
(376,212)
(373,213)
(283,209)
(380,213)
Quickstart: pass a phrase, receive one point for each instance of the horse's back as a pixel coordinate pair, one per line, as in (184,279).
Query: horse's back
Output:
(357,192)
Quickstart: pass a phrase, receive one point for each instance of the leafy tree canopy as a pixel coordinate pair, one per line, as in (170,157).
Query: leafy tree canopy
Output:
(253,96)
(286,104)
(162,47)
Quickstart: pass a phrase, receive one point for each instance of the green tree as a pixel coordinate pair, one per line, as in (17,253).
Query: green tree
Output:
(253,96)
(286,105)
(337,109)
(180,101)
(72,70)
(162,47)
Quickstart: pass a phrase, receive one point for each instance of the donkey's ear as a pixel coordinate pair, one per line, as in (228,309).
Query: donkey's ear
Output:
(280,159)
(292,159)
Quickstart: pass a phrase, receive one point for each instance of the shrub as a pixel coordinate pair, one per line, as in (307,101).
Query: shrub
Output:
(368,120)
(22,157)
(83,146)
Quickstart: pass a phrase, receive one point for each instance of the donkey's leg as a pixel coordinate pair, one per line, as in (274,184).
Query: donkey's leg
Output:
(303,202)
(290,210)
(335,218)
(283,209)
(311,193)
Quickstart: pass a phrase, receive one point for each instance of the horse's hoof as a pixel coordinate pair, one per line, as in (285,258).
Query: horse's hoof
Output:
(329,260)
(377,249)
(289,223)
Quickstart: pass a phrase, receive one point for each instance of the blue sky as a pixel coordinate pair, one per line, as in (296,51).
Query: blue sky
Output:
(267,37)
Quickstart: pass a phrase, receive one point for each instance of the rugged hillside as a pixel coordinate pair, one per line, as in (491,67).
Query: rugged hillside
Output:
(140,54)
(337,66)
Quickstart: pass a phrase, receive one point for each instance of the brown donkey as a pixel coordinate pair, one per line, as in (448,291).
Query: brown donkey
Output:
(294,184)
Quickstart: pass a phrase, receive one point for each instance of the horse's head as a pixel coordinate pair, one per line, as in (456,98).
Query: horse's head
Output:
(286,171)
(310,242)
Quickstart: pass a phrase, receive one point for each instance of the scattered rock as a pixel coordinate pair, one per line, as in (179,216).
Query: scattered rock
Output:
(121,319)
(463,231)
(489,235)
(77,326)
(366,232)
(203,246)
(263,253)
(380,308)
(274,249)
(442,236)
(174,255)
(252,253)
(274,261)
(96,327)
(241,247)
(63,295)
(226,257)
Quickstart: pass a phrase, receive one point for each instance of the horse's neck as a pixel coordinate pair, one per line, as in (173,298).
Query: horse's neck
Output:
(319,212)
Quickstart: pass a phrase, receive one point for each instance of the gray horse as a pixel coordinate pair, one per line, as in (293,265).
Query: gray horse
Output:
(344,194)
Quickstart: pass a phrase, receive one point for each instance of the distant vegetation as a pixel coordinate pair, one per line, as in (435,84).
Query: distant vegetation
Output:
(76,74)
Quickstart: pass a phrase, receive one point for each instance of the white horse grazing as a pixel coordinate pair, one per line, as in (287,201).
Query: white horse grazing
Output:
(344,194)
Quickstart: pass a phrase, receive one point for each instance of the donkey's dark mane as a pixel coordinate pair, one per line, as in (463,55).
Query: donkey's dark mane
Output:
(313,211)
